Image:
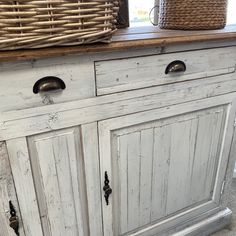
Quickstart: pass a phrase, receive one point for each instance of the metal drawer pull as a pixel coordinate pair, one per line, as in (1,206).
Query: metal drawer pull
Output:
(175,67)
(48,84)
(107,189)
(14,220)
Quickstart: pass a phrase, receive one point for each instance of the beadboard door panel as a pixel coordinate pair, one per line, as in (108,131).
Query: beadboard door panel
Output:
(7,193)
(63,183)
(57,166)
(164,166)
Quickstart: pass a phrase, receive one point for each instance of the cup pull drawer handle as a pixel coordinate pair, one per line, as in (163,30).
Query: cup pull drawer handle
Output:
(175,67)
(48,84)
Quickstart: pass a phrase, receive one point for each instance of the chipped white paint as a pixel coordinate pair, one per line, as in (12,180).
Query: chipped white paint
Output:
(17,82)
(140,72)
(7,193)
(25,123)
(23,179)
(89,138)
(58,163)
(187,152)
(165,148)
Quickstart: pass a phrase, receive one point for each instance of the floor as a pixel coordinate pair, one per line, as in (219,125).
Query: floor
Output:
(231,230)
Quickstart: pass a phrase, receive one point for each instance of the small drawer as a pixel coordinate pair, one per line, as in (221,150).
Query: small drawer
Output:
(133,73)
(18,80)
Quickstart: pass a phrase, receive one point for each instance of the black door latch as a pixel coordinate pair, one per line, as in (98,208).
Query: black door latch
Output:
(107,189)
(14,220)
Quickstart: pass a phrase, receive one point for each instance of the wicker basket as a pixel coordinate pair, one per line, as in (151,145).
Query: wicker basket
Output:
(192,14)
(43,23)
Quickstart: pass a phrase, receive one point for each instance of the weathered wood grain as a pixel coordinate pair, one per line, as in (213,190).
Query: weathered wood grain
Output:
(60,116)
(131,38)
(24,184)
(186,156)
(89,138)
(145,182)
(164,144)
(7,193)
(60,164)
(133,73)
(133,163)
(160,171)
(17,83)
(123,183)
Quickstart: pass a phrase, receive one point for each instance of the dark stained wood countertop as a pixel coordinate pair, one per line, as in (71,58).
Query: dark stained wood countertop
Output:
(124,39)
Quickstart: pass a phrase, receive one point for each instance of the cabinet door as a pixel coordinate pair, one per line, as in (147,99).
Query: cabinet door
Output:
(7,193)
(61,183)
(165,166)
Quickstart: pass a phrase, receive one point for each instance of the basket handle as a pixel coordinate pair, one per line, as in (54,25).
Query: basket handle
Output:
(156,13)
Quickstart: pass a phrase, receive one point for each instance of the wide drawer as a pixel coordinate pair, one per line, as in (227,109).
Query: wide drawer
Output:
(139,72)
(18,79)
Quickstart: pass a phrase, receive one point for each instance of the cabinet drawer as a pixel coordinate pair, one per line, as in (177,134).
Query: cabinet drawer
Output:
(139,72)
(18,80)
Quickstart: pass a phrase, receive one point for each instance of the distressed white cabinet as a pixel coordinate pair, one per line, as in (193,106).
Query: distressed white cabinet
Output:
(125,150)
(165,165)
(56,176)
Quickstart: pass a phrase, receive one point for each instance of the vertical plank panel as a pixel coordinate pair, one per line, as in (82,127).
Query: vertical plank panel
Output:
(66,173)
(217,119)
(21,170)
(49,174)
(92,175)
(133,179)
(38,186)
(78,182)
(191,159)
(202,153)
(180,170)
(7,193)
(123,183)
(146,146)
(161,161)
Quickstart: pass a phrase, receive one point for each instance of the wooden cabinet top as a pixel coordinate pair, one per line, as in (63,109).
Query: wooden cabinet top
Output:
(130,38)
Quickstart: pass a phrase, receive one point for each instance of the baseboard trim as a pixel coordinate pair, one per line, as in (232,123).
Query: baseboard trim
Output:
(209,225)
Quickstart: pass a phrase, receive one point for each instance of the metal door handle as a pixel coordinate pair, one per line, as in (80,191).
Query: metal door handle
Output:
(14,220)
(107,189)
